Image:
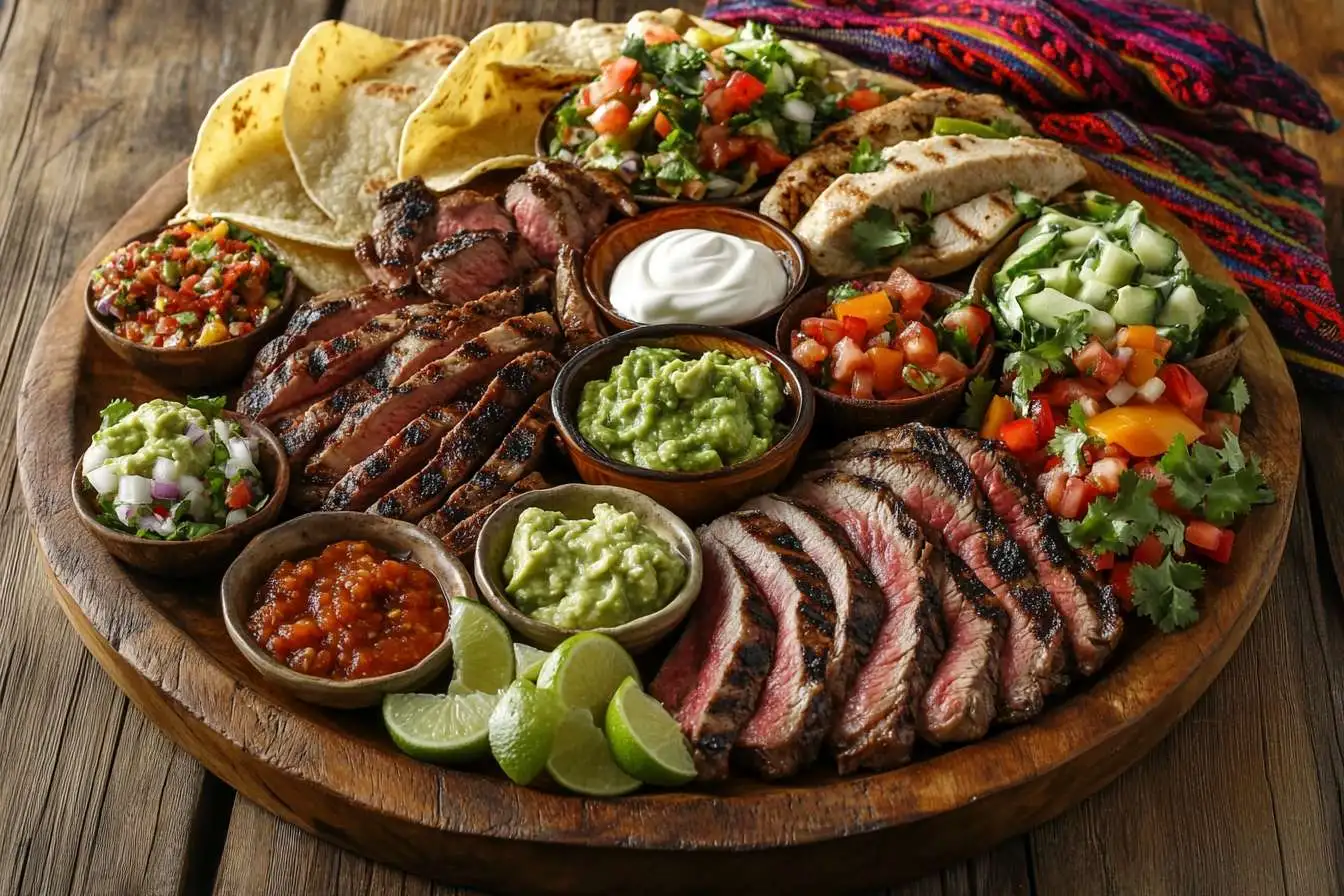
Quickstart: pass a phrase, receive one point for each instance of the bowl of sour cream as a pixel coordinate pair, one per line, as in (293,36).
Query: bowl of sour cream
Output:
(709,265)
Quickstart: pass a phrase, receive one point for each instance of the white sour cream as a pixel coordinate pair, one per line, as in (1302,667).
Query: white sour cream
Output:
(698,277)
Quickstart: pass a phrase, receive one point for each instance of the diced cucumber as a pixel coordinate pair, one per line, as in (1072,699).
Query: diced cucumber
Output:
(1036,253)
(1099,206)
(1050,307)
(1081,236)
(1121,226)
(1071,253)
(1009,302)
(1096,294)
(1135,305)
(1156,281)
(1183,308)
(1116,265)
(1063,277)
(1053,219)
(1157,250)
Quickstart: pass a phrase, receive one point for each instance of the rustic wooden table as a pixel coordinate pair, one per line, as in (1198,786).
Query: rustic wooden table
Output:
(97,99)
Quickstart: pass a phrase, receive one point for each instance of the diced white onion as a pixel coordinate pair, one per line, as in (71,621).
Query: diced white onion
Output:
(719,187)
(1152,390)
(165,470)
(188,484)
(1123,354)
(239,451)
(222,431)
(104,480)
(1089,405)
(799,111)
(126,513)
(200,507)
(96,456)
(233,466)
(235,517)
(134,490)
(1120,393)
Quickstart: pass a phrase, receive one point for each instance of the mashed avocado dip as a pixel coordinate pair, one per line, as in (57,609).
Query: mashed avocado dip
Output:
(589,573)
(663,409)
(156,429)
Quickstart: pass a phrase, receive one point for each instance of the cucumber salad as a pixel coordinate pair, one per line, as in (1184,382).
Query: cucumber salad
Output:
(172,472)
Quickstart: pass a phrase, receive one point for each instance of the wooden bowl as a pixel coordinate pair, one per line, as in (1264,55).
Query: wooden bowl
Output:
(189,559)
(750,199)
(306,536)
(576,501)
(188,369)
(618,241)
(697,496)
(847,416)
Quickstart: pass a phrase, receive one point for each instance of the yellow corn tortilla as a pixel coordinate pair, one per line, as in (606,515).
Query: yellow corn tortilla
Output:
(319,268)
(349,94)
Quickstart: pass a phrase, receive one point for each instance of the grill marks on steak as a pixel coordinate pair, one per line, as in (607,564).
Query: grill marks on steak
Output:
(466,446)
(377,419)
(578,316)
(712,679)
(468,210)
(440,330)
(794,712)
(1091,614)
(404,225)
(470,264)
(519,454)
(960,702)
(306,435)
(461,542)
(939,490)
(556,204)
(875,728)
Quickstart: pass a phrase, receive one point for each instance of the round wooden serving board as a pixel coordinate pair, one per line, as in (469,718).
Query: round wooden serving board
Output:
(337,774)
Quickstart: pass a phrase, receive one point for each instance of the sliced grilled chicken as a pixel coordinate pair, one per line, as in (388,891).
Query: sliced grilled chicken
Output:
(461,542)
(962,235)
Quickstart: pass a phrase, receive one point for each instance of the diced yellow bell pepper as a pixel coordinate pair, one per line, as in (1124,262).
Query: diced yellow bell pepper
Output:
(1144,430)
(873,308)
(999,412)
(214,331)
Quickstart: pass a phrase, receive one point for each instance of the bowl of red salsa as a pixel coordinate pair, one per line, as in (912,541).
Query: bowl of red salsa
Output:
(192,302)
(342,608)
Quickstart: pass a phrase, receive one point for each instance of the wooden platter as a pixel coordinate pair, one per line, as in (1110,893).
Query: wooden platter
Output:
(337,775)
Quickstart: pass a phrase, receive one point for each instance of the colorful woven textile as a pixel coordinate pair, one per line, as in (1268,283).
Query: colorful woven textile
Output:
(1148,90)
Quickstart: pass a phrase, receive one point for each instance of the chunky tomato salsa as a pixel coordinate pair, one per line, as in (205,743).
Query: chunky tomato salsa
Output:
(198,283)
(351,612)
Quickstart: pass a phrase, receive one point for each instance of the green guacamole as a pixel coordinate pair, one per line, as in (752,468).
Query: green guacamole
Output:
(156,429)
(589,573)
(663,409)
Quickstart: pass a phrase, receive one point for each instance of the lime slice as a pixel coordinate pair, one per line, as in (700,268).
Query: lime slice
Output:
(585,670)
(646,741)
(522,730)
(482,647)
(582,762)
(440,727)
(527,661)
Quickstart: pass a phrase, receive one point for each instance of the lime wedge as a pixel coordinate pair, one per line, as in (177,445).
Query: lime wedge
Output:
(585,670)
(582,762)
(440,727)
(645,740)
(527,660)
(482,647)
(522,730)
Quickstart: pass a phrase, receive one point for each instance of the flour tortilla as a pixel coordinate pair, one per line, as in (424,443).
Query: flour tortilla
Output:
(350,92)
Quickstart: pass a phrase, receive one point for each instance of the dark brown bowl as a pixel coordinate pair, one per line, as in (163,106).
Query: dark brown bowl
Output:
(847,416)
(750,199)
(200,555)
(616,242)
(189,369)
(698,496)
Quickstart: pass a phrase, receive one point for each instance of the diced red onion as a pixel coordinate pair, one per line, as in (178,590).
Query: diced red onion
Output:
(799,111)
(1152,390)
(126,513)
(165,491)
(104,305)
(235,516)
(1120,393)
(158,525)
(134,490)
(195,434)
(629,169)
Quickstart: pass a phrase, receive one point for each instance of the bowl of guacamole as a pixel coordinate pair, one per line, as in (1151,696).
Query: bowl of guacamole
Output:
(699,418)
(579,557)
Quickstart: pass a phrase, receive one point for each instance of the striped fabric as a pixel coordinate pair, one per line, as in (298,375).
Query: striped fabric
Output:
(1151,92)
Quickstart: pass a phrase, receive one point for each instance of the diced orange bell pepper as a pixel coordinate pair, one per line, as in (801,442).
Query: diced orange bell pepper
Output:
(1138,336)
(1143,366)
(887,364)
(999,412)
(1144,430)
(874,308)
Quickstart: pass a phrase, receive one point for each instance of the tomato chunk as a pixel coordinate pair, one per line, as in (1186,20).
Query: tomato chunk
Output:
(970,319)
(950,368)
(855,328)
(1093,360)
(1184,391)
(919,344)
(1205,536)
(809,354)
(825,330)
(848,357)
(1044,418)
(861,100)
(238,496)
(909,291)
(861,386)
(767,156)
(1019,436)
(1149,552)
(887,364)
(742,90)
(1122,585)
(611,118)
(1078,494)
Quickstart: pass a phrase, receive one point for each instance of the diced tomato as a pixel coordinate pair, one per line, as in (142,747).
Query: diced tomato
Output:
(1205,536)
(1122,585)
(1216,423)
(611,118)
(910,292)
(1055,484)
(1063,392)
(825,330)
(1105,474)
(1103,561)
(848,357)
(855,328)
(809,354)
(719,149)
(999,412)
(950,368)
(874,307)
(971,319)
(861,386)
(1137,336)
(1184,391)
(1143,366)
(1044,418)
(861,100)
(662,125)
(1149,552)
(1019,436)
(1162,495)
(1078,494)
(880,339)
(767,156)
(1093,360)
(1223,553)
(716,105)
(615,81)
(742,90)
(658,33)
(238,496)
(887,364)
(919,344)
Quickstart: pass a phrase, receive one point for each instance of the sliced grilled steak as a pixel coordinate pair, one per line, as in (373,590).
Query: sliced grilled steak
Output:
(940,492)
(960,703)
(305,437)
(325,316)
(615,189)
(398,458)
(461,542)
(404,225)
(433,336)
(794,713)
(576,312)
(468,265)
(590,198)
(463,210)
(373,422)
(305,494)
(1091,614)
(546,215)
(859,605)
(875,728)
(519,454)
(712,679)
(467,445)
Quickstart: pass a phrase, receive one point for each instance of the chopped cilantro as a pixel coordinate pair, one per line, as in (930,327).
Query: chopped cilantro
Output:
(847,290)
(926,201)
(1070,439)
(1049,354)
(978,395)
(115,411)
(1077,416)
(1234,399)
(879,237)
(921,380)
(1117,523)
(1171,532)
(209,406)
(1165,593)
(1220,484)
(865,159)
(677,170)
(677,63)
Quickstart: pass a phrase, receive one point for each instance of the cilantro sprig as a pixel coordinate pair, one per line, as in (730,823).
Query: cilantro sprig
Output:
(1070,440)
(1218,484)
(878,237)
(1165,593)
(1119,522)
(1050,354)
(866,159)
(978,396)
